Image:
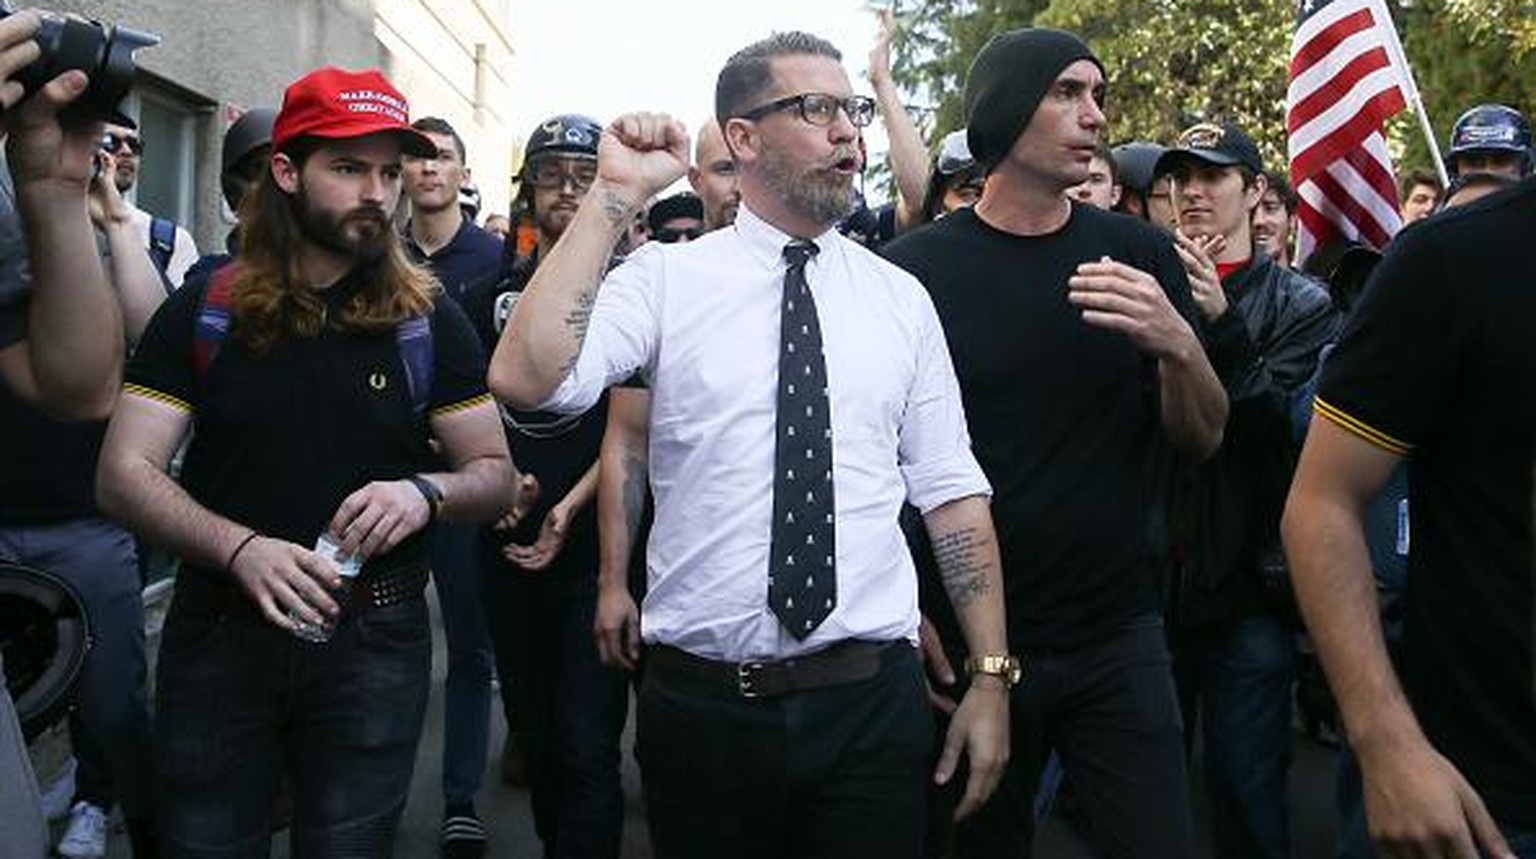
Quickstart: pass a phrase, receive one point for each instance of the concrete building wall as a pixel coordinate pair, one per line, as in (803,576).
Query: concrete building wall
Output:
(453,59)
(220,57)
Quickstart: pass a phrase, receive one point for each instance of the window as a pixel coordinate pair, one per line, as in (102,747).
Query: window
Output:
(168,173)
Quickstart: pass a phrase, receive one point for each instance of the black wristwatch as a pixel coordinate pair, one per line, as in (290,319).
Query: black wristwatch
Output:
(429,491)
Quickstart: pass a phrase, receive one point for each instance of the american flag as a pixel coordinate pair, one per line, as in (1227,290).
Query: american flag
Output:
(1348,76)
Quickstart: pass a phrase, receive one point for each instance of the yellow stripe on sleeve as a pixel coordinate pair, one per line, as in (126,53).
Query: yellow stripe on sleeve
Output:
(159,397)
(482,399)
(1355,426)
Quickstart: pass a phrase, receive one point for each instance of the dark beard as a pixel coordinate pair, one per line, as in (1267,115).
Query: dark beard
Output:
(824,196)
(363,234)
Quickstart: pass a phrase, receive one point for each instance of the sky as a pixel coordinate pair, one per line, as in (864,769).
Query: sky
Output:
(604,59)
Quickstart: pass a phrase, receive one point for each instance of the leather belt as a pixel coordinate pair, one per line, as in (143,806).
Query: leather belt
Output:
(837,665)
(386,589)
(377,590)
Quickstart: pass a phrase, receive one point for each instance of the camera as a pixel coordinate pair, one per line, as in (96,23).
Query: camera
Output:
(103,51)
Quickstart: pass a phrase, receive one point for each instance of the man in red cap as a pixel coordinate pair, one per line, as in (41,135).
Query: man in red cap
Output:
(316,369)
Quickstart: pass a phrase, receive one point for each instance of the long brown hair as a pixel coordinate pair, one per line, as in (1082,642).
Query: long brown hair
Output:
(269,300)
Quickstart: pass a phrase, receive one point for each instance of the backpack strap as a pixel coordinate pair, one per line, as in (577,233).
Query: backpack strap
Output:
(162,242)
(213,317)
(414,338)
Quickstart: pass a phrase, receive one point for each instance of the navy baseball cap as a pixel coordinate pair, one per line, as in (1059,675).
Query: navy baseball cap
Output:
(1224,145)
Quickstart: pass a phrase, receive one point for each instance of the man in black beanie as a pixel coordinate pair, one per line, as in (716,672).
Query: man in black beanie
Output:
(1083,381)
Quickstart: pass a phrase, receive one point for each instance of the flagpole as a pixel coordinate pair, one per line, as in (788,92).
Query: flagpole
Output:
(1415,101)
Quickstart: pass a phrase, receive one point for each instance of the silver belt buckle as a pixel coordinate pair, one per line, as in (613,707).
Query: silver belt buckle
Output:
(744,677)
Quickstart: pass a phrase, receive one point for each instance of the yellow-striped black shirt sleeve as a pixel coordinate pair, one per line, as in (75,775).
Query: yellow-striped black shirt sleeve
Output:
(461,405)
(159,397)
(1355,426)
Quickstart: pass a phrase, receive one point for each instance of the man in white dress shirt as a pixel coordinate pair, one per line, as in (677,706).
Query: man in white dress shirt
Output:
(801,391)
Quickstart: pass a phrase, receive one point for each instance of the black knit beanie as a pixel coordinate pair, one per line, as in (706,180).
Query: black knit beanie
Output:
(1007,79)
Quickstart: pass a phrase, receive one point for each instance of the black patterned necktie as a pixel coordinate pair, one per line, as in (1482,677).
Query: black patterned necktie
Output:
(802,573)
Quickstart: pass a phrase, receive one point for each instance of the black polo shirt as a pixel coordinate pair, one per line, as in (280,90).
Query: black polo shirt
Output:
(472,255)
(1438,365)
(283,437)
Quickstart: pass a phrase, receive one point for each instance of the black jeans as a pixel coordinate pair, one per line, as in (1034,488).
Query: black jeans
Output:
(835,772)
(1110,711)
(240,702)
(566,708)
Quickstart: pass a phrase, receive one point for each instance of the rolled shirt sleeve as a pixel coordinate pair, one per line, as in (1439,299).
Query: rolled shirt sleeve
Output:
(934,446)
(621,335)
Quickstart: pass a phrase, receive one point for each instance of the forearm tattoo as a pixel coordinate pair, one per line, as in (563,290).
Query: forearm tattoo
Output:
(577,318)
(615,208)
(634,495)
(962,566)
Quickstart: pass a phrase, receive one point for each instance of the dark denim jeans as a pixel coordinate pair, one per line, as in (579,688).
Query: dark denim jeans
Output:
(240,703)
(566,708)
(467,689)
(1240,680)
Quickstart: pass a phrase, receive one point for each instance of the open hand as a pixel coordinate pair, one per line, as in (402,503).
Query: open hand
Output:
(1126,299)
(979,731)
(1418,806)
(546,548)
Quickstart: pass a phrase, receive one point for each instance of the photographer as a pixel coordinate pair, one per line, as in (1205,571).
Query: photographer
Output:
(60,331)
(61,346)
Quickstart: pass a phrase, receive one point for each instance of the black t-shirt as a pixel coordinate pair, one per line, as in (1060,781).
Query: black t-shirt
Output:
(557,449)
(47,467)
(1064,416)
(281,439)
(1438,363)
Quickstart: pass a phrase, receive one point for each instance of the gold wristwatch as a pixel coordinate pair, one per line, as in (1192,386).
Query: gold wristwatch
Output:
(1003,666)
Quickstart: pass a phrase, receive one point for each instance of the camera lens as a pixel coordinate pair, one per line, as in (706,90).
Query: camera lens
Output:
(103,51)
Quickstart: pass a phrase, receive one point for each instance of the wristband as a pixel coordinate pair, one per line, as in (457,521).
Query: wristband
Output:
(229,566)
(429,491)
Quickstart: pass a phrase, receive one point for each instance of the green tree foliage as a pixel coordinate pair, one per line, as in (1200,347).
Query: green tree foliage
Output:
(936,42)
(1465,53)
(1172,62)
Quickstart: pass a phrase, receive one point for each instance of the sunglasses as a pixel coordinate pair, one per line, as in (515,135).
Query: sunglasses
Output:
(114,142)
(667,235)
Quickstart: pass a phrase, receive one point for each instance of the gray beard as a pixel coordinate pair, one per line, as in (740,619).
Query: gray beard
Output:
(821,196)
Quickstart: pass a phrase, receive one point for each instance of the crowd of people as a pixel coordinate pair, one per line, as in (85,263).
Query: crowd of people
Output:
(897,524)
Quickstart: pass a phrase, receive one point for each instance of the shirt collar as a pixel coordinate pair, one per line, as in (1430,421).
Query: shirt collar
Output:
(458,235)
(765,242)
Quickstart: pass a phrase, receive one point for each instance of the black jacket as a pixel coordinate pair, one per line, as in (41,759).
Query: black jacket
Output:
(1227,510)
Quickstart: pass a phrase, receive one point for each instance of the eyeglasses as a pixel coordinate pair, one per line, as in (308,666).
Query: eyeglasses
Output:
(551,177)
(113,142)
(819,108)
(667,235)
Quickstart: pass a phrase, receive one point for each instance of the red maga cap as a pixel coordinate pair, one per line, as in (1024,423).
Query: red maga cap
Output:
(336,104)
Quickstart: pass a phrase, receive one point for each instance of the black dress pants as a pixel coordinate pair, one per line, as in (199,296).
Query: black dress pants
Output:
(839,772)
(1110,711)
